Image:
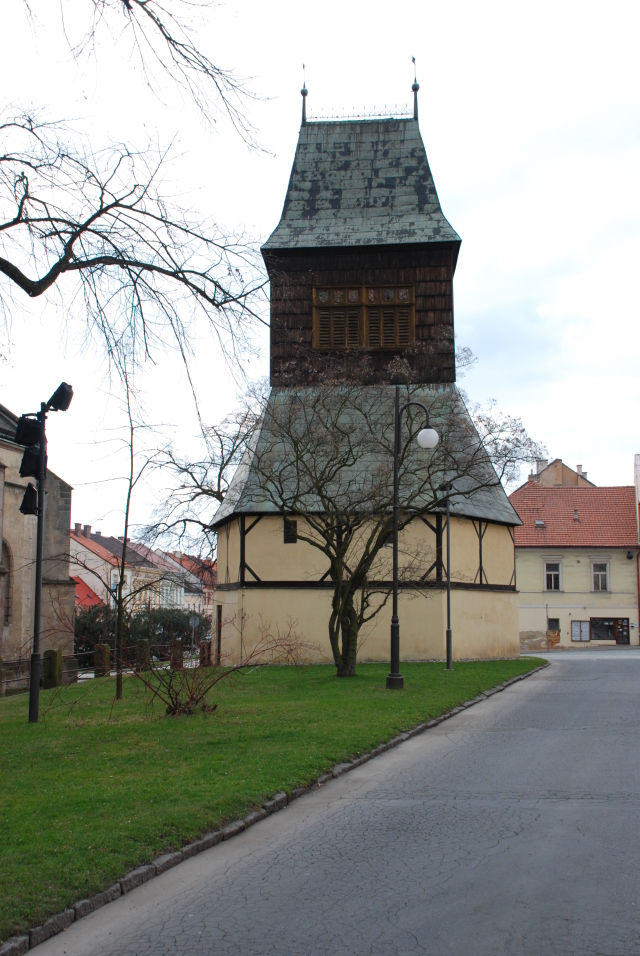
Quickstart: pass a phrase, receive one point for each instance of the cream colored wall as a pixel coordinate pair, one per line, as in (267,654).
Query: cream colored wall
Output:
(498,555)
(272,560)
(484,623)
(576,601)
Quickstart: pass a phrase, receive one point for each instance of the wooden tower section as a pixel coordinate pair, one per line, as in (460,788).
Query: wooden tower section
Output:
(361,264)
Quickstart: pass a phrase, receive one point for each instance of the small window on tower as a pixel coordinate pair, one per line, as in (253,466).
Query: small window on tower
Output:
(290,531)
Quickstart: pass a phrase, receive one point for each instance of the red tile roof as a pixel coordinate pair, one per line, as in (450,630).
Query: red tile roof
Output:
(85,597)
(606,517)
(95,547)
(204,569)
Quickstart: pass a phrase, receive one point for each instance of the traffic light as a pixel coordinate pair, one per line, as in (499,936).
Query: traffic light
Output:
(29,504)
(28,431)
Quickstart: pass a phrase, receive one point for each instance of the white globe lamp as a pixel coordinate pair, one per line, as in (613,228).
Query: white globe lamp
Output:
(428,438)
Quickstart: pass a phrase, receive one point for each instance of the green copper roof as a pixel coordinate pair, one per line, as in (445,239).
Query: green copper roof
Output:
(360,183)
(479,493)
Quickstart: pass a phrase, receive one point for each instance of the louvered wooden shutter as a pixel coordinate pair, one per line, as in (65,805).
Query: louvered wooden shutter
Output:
(403,326)
(374,328)
(353,326)
(389,328)
(324,328)
(339,337)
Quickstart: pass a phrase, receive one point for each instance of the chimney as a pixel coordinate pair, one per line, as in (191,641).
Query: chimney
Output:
(580,471)
(86,531)
(77,528)
(541,464)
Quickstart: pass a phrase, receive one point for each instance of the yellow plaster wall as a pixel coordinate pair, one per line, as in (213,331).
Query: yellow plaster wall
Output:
(464,550)
(498,557)
(484,624)
(273,560)
(576,601)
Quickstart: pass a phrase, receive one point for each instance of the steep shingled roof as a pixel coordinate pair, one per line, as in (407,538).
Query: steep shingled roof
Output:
(246,493)
(360,183)
(606,517)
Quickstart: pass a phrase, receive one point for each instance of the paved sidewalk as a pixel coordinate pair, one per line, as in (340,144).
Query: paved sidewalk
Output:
(509,829)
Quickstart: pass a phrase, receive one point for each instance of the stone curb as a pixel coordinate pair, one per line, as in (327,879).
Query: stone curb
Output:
(17,945)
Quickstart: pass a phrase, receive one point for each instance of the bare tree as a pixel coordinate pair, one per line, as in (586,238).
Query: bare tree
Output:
(137,267)
(198,488)
(323,456)
(163,37)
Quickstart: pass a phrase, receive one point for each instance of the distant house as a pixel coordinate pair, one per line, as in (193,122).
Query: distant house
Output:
(202,579)
(558,475)
(149,582)
(577,564)
(85,597)
(18,553)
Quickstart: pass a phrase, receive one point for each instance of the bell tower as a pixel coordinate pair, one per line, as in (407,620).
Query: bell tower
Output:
(361,263)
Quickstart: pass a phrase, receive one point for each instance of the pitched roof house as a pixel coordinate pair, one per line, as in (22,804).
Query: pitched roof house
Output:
(577,565)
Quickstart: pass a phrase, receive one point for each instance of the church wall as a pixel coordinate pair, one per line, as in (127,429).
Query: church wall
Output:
(429,270)
(58,592)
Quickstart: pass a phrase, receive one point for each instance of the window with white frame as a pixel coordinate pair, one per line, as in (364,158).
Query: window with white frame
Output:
(600,575)
(552,575)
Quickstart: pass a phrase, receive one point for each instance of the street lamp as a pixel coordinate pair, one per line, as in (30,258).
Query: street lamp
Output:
(448,487)
(427,438)
(31,432)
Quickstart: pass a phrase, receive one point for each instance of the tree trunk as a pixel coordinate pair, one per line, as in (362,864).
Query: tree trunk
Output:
(343,636)
(119,641)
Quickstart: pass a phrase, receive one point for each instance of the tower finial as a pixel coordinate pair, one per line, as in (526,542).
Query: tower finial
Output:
(304,92)
(415,87)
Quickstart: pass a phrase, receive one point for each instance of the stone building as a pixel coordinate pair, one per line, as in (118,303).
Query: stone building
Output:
(361,268)
(17,573)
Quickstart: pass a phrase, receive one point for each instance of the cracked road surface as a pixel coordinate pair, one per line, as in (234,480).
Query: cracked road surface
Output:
(510,829)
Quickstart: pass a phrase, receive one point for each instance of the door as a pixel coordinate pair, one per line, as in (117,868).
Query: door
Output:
(622,630)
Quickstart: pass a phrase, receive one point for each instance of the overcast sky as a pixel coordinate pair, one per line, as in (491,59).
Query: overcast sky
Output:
(529,114)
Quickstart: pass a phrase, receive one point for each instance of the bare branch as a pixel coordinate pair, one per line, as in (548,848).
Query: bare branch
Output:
(146,269)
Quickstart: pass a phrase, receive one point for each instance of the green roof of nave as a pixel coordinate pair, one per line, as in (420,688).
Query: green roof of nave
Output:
(360,183)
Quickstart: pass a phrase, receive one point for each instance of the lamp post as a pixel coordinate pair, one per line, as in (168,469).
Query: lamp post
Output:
(31,431)
(427,438)
(449,641)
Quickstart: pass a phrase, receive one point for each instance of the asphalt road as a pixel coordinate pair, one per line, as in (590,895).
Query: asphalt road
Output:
(510,829)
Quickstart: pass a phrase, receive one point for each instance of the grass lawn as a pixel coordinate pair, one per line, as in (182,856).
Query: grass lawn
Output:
(91,792)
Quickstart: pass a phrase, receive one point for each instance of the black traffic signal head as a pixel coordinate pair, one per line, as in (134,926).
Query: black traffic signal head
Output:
(30,464)
(29,504)
(28,431)
(61,398)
